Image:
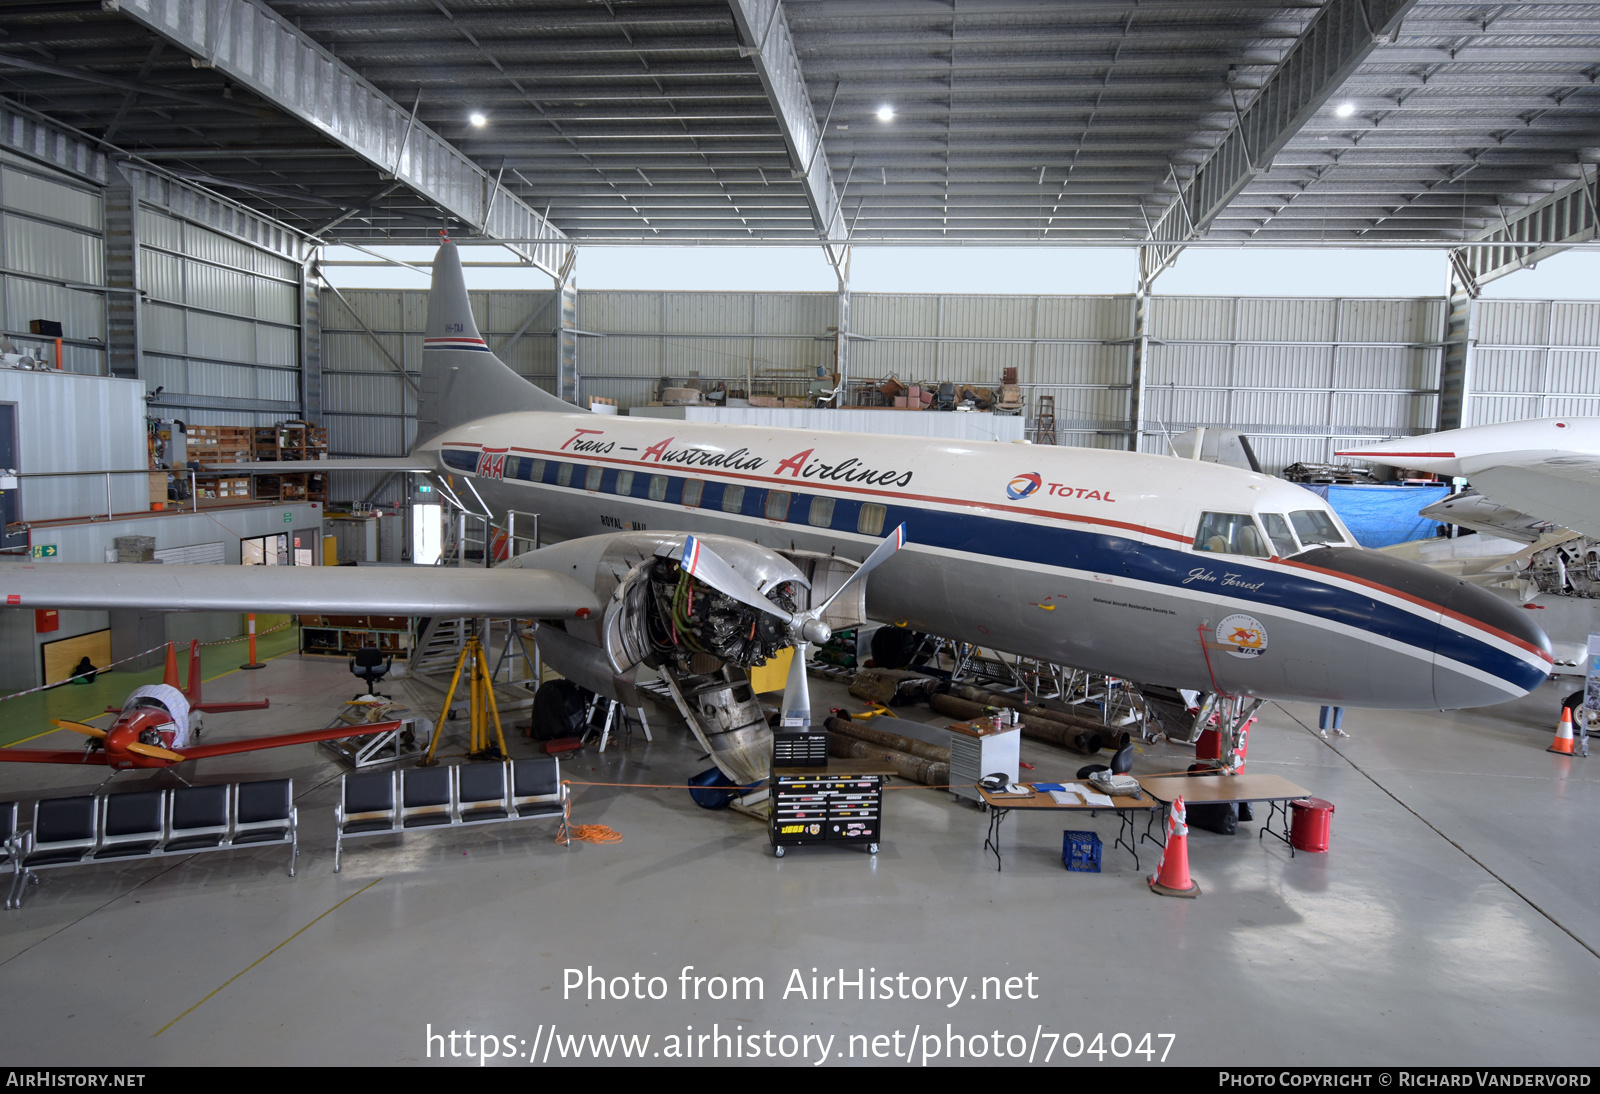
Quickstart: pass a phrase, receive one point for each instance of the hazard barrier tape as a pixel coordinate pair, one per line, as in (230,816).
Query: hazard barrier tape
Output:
(134,657)
(81,675)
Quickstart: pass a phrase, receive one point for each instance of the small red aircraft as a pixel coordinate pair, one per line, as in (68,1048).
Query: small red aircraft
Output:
(153,728)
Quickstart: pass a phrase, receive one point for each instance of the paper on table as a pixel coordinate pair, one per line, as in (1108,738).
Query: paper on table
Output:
(1065,797)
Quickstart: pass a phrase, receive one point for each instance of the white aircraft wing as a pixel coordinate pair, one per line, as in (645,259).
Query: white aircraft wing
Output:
(1564,489)
(392,590)
(1547,467)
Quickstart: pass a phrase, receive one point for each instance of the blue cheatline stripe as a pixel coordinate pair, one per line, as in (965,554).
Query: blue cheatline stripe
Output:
(1069,548)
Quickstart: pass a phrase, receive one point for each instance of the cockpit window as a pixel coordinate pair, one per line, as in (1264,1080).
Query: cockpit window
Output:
(1283,544)
(1314,527)
(1229,534)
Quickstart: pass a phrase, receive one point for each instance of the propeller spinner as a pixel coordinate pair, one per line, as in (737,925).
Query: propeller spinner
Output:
(805,627)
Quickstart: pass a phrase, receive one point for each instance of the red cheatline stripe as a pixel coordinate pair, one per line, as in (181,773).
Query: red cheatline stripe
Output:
(1441,609)
(575,457)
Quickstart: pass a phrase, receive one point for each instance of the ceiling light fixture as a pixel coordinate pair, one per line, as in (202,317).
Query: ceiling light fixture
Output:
(1344,110)
(477,118)
(886,113)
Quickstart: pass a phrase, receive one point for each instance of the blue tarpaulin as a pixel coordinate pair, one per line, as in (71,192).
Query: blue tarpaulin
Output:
(1382,515)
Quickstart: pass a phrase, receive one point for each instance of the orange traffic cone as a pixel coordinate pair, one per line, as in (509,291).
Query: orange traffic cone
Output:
(171,677)
(1172,874)
(1564,744)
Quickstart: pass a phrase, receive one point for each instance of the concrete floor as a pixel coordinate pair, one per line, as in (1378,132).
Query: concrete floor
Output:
(1453,921)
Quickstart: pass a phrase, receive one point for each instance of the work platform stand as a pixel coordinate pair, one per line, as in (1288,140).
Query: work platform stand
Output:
(615,713)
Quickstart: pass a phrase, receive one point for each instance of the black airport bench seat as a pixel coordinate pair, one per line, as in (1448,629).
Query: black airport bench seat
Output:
(90,828)
(381,803)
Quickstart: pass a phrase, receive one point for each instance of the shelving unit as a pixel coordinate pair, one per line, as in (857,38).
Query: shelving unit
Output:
(342,635)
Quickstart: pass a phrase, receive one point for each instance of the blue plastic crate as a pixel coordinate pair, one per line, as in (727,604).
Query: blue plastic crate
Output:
(1080,851)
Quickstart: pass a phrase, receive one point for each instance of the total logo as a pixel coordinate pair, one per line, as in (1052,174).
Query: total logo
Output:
(1023,485)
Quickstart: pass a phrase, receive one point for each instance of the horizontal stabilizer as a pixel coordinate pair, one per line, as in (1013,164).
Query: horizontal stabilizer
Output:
(355,463)
(390,590)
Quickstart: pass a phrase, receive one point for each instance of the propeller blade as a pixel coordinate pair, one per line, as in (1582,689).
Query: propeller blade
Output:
(797,692)
(892,543)
(155,753)
(79,727)
(706,565)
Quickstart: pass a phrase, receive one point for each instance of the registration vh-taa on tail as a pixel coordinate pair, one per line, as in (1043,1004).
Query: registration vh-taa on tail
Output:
(701,549)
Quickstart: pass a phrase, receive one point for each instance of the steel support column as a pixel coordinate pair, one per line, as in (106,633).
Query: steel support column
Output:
(567,345)
(1341,36)
(1455,373)
(1139,356)
(124,347)
(310,345)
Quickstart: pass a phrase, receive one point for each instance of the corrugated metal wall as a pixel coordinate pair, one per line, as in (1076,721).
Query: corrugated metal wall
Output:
(69,422)
(220,324)
(51,239)
(1300,377)
(1534,359)
(631,339)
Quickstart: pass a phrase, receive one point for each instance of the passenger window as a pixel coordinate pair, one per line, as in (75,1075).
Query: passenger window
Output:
(1314,527)
(536,472)
(821,515)
(870,522)
(564,475)
(1283,544)
(658,487)
(1229,534)
(692,490)
(592,477)
(732,499)
(624,483)
(777,505)
(512,468)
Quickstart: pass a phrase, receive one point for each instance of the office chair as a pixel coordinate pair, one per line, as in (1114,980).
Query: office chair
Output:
(370,665)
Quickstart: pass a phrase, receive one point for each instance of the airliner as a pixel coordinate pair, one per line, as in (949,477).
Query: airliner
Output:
(1152,568)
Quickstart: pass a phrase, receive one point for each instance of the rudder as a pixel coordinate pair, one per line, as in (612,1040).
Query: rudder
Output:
(462,379)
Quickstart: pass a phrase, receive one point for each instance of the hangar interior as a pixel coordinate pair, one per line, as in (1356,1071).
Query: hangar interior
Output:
(174,174)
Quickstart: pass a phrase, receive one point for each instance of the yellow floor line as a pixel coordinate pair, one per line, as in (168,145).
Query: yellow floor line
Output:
(266,955)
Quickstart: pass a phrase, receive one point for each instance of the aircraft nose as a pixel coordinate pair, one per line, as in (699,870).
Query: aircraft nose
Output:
(1524,660)
(1486,649)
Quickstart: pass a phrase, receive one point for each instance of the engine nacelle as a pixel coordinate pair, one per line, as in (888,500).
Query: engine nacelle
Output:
(656,614)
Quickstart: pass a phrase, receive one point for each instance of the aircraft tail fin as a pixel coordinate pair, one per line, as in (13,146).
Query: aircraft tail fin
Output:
(462,379)
(192,693)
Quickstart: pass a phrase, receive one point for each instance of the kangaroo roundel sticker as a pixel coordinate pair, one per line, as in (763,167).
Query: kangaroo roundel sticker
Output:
(1242,636)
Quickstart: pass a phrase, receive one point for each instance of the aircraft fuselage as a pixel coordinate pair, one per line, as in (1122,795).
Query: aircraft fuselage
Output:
(1077,556)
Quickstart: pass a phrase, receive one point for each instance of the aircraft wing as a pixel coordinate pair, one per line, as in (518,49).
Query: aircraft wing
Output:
(255,744)
(1546,467)
(389,590)
(51,756)
(1564,489)
(355,463)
